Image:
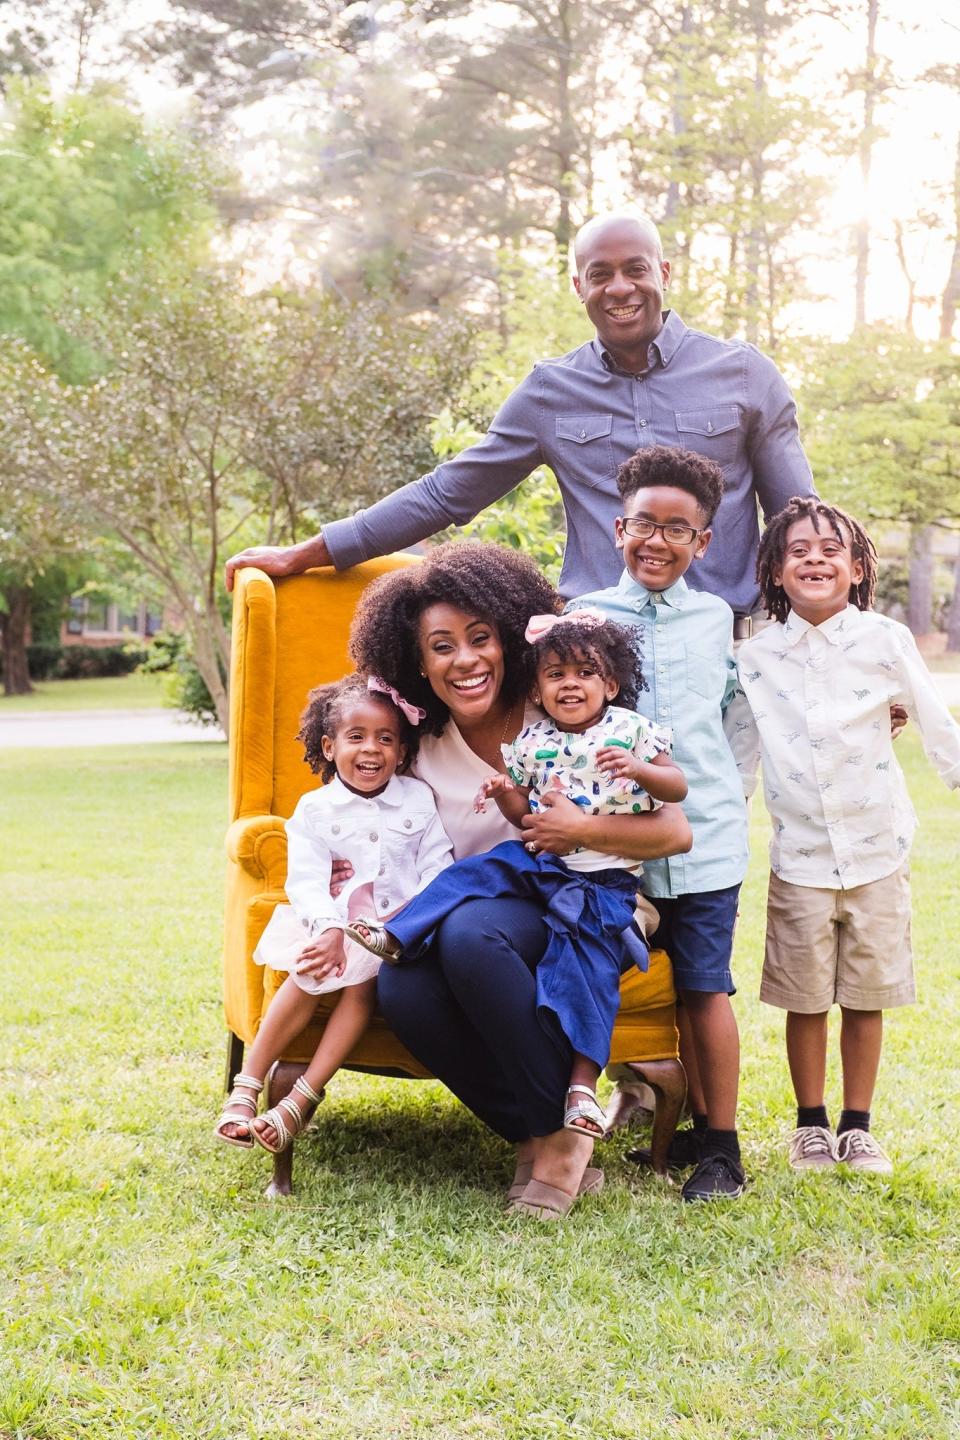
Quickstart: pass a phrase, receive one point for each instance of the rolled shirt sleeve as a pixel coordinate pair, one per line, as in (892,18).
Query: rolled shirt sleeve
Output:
(452,494)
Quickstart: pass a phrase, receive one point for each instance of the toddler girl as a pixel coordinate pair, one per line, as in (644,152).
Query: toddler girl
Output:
(356,734)
(608,760)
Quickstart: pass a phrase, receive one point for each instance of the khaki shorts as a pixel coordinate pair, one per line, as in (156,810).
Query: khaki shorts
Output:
(851,947)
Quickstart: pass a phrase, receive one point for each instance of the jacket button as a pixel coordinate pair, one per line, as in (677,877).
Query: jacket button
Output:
(335,829)
(583,434)
(408,824)
(383,904)
(374,835)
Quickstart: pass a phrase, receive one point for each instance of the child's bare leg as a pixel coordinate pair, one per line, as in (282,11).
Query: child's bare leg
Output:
(289,1013)
(861,1039)
(716,1042)
(585,1072)
(807,1057)
(347,1023)
(696,1104)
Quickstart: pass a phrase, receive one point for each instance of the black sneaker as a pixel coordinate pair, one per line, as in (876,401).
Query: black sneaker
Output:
(717,1177)
(683,1151)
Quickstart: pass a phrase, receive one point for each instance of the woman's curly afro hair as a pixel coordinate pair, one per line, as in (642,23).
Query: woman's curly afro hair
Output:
(326,707)
(773,550)
(497,585)
(614,649)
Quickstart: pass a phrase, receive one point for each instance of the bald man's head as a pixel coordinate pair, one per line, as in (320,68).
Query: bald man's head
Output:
(621,276)
(596,227)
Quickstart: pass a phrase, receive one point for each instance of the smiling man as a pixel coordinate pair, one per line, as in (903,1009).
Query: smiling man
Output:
(645,379)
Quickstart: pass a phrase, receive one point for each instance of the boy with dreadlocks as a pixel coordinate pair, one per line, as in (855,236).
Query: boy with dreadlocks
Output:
(820,683)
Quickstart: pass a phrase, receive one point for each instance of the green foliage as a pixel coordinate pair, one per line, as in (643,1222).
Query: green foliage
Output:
(87,194)
(882,425)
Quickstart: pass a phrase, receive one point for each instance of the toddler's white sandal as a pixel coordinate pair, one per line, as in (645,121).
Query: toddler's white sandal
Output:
(589,1110)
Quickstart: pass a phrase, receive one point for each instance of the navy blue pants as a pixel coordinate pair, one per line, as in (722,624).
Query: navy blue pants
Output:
(467,1009)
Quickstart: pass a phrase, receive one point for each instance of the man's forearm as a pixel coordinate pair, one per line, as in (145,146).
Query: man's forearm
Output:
(309,553)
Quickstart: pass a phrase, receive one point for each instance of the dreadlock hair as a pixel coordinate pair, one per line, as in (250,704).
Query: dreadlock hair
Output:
(326,707)
(499,586)
(773,549)
(614,649)
(681,469)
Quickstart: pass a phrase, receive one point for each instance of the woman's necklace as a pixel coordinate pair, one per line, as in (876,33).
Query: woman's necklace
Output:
(506,723)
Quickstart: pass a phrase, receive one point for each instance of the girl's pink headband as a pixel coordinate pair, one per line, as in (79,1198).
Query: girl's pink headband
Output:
(413,712)
(540,625)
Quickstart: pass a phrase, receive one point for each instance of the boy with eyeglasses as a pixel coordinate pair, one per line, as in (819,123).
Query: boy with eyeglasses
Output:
(669,498)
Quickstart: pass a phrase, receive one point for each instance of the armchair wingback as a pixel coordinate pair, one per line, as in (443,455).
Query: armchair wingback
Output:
(288,636)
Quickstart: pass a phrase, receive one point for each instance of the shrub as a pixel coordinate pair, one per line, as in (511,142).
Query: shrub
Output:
(84,662)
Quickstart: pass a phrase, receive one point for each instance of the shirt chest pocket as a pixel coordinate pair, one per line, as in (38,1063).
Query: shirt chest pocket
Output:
(585,448)
(703,673)
(401,836)
(716,433)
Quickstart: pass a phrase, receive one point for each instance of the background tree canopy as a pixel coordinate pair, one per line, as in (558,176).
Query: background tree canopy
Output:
(329,239)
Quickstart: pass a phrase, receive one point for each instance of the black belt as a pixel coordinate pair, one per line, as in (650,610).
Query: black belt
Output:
(742,627)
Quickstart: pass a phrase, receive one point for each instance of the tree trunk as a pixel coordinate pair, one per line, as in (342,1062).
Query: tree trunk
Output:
(951,291)
(953,620)
(13,625)
(866,163)
(920,599)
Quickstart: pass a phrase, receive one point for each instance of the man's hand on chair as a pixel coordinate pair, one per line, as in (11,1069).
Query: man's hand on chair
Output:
(279,560)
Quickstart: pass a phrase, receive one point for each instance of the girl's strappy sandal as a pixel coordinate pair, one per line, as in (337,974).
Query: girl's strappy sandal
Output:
(373,937)
(287,1118)
(233,1115)
(589,1110)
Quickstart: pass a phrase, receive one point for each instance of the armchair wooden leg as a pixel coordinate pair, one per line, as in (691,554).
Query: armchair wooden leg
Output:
(668,1082)
(234,1059)
(280,1081)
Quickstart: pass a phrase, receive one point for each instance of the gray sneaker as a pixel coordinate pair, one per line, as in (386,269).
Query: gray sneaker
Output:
(859,1150)
(812,1147)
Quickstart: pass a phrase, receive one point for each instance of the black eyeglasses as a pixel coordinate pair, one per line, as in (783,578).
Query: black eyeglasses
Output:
(675,534)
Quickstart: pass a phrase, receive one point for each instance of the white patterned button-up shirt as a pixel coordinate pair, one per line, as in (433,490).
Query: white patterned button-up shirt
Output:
(820,696)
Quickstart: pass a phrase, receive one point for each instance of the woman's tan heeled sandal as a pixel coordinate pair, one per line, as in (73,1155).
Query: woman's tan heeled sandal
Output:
(287,1118)
(232,1115)
(591,1184)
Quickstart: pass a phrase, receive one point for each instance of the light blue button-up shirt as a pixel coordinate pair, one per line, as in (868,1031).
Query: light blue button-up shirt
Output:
(583,416)
(691,678)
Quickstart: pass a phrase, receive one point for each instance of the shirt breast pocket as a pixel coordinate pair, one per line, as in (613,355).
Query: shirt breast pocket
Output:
(585,448)
(401,835)
(703,673)
(716,432)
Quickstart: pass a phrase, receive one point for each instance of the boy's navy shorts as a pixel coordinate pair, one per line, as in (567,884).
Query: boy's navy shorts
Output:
(697,933)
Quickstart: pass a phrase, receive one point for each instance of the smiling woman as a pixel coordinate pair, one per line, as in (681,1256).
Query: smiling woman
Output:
(449,635)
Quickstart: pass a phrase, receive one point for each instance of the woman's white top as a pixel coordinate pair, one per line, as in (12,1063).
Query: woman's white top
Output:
(455,774)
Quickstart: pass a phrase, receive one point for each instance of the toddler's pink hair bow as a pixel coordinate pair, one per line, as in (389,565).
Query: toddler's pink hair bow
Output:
(540,625)
(413,712)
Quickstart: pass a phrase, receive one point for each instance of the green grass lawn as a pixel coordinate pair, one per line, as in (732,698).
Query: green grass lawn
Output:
(150,1291)
(112,692)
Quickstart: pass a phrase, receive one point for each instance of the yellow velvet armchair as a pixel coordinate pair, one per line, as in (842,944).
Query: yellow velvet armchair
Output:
(288,636)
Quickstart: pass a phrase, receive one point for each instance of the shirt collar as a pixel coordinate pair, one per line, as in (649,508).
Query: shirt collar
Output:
(665,345)
(340,795)
(636,594)
(836,629)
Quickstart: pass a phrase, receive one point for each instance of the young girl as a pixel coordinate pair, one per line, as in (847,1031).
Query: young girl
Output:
(606,759)
(356,734)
